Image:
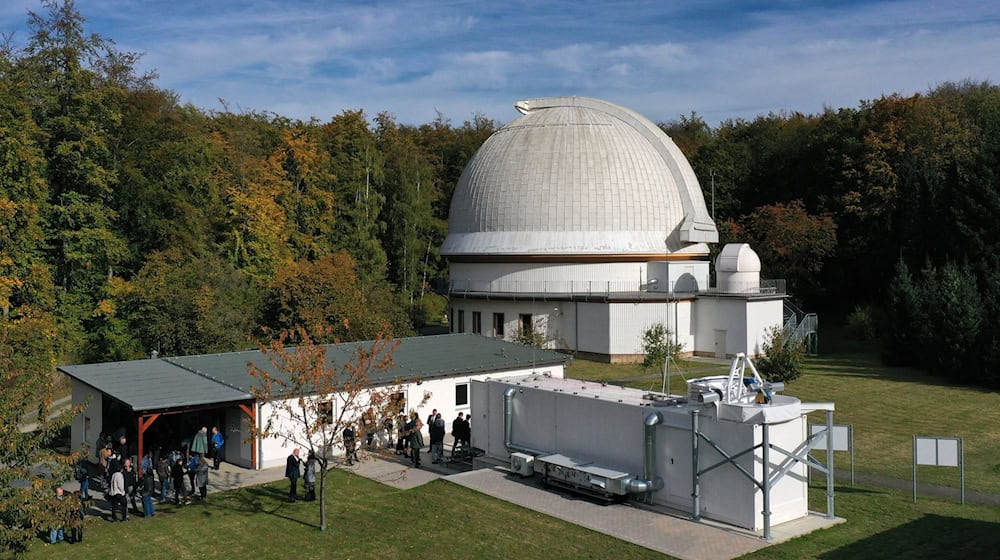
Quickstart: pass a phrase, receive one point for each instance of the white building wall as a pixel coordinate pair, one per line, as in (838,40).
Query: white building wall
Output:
(579,277)
(87,425)
(440,394)
(761,317)
(629,320)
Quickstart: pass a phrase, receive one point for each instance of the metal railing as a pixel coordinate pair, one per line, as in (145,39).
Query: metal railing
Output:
(608,287)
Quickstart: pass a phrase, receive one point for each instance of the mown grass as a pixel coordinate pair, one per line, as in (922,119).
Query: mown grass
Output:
(886,405)
(442,520)
(439,520)
(888,524)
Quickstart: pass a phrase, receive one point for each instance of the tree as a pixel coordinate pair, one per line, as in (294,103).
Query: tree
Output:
(30,471)
(314,399)
(902,314)
(783,356)
(658,345)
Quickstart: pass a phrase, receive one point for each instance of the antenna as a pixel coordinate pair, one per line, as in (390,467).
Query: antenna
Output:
(711,173)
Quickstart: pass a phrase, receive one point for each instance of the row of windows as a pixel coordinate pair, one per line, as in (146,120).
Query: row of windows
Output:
(525,319)
(325,409)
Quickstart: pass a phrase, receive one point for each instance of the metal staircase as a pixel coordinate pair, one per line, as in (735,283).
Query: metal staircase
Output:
(802,327)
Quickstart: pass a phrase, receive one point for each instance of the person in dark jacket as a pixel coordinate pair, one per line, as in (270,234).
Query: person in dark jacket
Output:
(163,471)
(292,473)
(437,430)
(201,477)
(177,473)
(414,427)
(148,486)
(350,445)
(131,483)
(218,442)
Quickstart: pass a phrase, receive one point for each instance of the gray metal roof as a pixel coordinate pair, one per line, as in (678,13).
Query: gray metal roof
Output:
(172,382)
(153,384)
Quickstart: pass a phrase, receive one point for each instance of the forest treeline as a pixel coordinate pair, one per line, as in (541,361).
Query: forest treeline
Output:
(130,222)
(889,212)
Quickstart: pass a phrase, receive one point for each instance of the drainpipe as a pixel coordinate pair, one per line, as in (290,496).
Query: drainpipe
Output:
(508,425)
(650,482)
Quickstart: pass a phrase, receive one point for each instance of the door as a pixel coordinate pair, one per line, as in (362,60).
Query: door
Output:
(720,344)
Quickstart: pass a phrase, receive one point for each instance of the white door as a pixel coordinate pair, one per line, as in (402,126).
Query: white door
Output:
(720,344)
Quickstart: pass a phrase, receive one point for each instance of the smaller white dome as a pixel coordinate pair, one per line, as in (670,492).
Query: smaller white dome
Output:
(737,257)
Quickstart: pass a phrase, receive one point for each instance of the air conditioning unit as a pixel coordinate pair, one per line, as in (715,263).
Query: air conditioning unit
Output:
(522,464)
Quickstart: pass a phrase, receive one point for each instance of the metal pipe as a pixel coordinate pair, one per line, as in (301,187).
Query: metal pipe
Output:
(508,425)
(829,464)
(649,481)
(696,505)
(766,486)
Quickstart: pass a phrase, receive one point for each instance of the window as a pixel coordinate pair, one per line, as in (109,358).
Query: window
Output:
(324,412)
(477,322)
(451,319)
(461,320)
(397,403)
(527,325)
(462,394)
(498,325)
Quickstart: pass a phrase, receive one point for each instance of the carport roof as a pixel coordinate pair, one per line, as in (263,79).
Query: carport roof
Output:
(182,381)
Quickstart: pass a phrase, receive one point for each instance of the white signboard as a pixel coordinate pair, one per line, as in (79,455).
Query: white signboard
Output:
(937,452)
(841,437)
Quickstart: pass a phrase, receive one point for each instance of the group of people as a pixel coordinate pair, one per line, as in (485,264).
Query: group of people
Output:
(123,484)
(293,472)
(410,439)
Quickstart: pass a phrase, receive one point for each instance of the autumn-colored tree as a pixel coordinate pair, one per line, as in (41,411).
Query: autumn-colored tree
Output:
(313,399)
(30,470)
(329,292)
(791,243)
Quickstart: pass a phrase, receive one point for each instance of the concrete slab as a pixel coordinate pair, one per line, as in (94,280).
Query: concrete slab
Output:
(660,530)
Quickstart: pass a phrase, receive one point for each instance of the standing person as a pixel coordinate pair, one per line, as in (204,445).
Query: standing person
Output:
(201,477)
(148,485)
(122,451)
(177,473)
(131,483)
(368,427)
(416,438)
(147,463)
(118,496)
(163,471)
(57,532)
(192,467)
(217,442)
(460,429)
(104,456)
(309,478)
(82,475)
(199,443)
(292,474)
(350,445)
(437,438)
(403,438)
(77,515)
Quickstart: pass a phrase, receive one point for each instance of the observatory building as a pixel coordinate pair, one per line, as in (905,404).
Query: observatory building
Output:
(581,222)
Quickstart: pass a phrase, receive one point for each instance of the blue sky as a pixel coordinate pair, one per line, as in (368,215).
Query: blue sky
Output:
(663,58)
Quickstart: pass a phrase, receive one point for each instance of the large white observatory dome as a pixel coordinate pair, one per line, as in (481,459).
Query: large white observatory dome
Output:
(577,176)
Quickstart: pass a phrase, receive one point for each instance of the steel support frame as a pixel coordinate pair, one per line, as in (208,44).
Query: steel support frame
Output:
(800,455)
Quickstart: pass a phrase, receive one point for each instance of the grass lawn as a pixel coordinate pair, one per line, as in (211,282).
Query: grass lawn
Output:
(442,520)
(886,405)
(887,524)
(439,520)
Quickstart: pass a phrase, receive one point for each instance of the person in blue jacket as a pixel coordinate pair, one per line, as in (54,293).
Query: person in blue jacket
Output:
(217,442)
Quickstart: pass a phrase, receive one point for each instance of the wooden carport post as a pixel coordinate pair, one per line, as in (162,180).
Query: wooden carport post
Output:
(145,421)
(248,409)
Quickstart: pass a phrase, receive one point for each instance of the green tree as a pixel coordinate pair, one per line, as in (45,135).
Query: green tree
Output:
(902,315)
(783,356)
(658,345)
(31,469)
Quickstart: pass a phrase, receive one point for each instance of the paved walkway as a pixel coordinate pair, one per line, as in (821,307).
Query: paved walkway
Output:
(654,528)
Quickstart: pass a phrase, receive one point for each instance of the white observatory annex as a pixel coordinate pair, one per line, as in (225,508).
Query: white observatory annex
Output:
(583,222)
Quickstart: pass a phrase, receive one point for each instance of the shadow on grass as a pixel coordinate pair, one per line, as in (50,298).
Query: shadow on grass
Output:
(931,536)
(266,499)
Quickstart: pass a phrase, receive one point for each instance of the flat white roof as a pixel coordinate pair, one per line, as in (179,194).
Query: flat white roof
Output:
(590,389)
